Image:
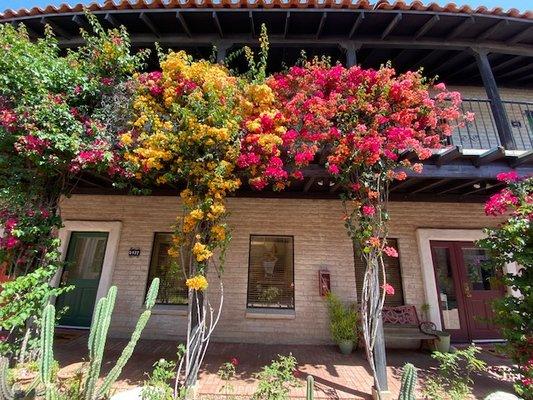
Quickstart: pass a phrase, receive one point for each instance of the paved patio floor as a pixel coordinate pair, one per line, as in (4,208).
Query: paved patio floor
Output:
(336,376)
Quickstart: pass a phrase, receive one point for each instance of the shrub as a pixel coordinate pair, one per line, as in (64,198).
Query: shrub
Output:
(276,379)
(342,320)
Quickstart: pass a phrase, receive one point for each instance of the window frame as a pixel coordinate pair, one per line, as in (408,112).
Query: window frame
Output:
(254,309)
(148,282)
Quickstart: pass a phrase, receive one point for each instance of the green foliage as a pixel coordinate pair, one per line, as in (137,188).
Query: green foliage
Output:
(342,320)
(453,379)
(512,242)
(157,387)
(409,376)
(276,379)
(22,299)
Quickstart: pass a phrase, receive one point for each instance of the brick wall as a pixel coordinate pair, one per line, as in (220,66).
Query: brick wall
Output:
(319,241)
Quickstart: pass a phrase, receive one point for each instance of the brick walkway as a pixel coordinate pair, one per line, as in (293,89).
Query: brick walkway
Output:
(336,376)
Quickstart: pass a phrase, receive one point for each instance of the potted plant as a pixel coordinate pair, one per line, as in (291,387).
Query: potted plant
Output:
(342,324)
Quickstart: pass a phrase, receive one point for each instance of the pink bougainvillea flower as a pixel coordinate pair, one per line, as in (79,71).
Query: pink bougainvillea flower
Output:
(390,251)
(333,169)
(499,202)
(389,289)
(234,361)
(368,210)
(508,177)
(11,242)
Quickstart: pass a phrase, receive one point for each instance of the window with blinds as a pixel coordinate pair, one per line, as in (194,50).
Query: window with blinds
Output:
(271,272)
(392,273)
(172,288)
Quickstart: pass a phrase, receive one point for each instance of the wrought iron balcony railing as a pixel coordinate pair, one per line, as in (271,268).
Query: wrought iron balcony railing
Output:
(482,132)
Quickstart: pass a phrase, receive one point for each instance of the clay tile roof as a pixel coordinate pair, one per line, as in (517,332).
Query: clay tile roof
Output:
(352,4)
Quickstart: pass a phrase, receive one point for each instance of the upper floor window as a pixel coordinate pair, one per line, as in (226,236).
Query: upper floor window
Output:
(271,272)
(172,288)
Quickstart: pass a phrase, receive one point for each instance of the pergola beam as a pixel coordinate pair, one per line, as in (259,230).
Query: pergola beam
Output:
(356,24)
(391,26)
(217,24)
(287,22)
(461,27)
(81,22)
(493,29)
(148,22)
(184,24)
(427,26)
(520,35)
(321,24)
(111,20)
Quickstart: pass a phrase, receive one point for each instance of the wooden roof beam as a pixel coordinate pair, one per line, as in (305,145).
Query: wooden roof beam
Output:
(111,20)
(56,28)
(465,24)
(448,155)
(431,186)
(391,26)
(507,63)
(457,187)
(493,29)
(426,59)
(520,35)
(321,24)
(516,71)
(252,23)
(483,188)
(427,26)
(405,184)
(524,158)
(183,23)
(489,156)
(525,77)
(356,24)
(217,24)
(287,23)
(81,22)
(148,22)
(451,61)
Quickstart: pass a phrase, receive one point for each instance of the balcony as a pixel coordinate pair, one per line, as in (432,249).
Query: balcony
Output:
(482,132)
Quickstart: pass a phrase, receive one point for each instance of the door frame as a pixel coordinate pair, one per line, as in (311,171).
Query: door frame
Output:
(424,237)
(113,229)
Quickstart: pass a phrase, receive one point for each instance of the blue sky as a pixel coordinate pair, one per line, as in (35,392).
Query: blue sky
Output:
(522,5)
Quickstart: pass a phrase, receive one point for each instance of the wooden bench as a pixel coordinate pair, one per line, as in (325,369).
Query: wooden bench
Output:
(401,323)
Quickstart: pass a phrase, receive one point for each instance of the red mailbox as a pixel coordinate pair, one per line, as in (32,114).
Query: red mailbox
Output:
(324,282)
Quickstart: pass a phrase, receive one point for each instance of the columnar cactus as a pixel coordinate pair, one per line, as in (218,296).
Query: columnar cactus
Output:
(407,390)
(96,345)
(310,387)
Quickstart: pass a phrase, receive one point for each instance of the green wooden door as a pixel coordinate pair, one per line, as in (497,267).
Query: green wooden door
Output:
(84,260)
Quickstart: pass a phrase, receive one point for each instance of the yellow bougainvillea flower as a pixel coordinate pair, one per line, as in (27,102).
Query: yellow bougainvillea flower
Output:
(198,282)
(201,252)
(219,232)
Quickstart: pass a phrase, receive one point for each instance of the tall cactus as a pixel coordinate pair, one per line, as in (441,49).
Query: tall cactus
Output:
(113,375)
(407,390)
(310,395)
(96,345)
(46,361)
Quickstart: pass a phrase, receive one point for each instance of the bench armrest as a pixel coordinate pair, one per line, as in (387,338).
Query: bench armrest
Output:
(428,327)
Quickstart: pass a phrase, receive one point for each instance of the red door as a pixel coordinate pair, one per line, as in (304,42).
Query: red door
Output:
(466,290)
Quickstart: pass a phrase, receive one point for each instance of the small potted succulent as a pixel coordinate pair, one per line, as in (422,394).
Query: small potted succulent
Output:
(342,324)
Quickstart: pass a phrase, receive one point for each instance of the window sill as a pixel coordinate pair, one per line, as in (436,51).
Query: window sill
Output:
(258,313)
(169,309)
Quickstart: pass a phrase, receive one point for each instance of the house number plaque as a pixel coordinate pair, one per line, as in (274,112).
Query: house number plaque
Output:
(134,252)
